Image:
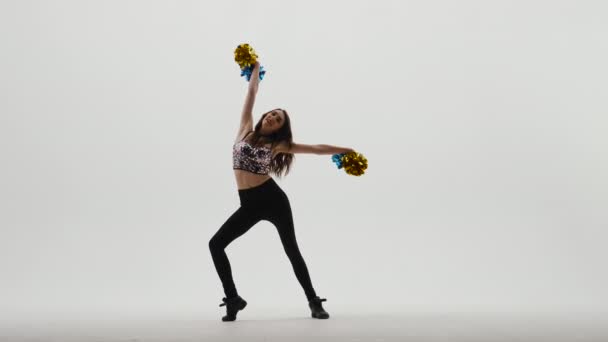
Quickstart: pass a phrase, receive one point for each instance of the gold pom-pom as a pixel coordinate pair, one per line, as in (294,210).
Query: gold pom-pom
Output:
(245,56)
(354,163)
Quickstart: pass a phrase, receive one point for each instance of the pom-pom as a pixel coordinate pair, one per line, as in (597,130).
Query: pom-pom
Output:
(353,163)
(249,70)
(245,56)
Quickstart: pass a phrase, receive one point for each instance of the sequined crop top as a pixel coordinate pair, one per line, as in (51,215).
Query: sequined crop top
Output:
(251,158)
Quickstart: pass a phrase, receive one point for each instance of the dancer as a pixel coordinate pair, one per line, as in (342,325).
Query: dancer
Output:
(267,148)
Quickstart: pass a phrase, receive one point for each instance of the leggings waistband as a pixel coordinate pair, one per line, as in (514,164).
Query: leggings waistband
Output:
(260,191)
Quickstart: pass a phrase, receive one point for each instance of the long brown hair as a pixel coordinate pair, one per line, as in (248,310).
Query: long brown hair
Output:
(281,163)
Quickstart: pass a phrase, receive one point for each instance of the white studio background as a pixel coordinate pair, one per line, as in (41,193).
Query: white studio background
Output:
(484,124)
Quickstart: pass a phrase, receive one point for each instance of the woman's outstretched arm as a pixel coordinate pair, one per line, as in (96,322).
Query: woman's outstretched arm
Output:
(330,149)
(312,149)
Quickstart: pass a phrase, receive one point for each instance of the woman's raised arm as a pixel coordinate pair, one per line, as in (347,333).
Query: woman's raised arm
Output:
(254,81)
(247,112)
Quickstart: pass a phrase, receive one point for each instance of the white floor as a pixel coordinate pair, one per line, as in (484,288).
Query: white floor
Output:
(411,327)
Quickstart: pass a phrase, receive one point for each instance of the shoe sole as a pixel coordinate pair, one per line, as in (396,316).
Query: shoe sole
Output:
(319,317)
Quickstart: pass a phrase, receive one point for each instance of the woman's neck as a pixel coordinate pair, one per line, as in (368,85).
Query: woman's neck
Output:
(262,139)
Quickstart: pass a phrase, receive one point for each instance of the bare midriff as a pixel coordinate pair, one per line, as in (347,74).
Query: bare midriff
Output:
(246,179)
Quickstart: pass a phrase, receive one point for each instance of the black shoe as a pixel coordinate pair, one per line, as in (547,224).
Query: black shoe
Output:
(233,305)
(316,308)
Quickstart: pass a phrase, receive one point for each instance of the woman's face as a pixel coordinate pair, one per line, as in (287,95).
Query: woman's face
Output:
(273,121)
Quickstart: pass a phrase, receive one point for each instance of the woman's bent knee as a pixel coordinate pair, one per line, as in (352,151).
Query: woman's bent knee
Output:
(214,244)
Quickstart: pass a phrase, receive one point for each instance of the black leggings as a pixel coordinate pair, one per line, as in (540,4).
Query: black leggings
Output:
(263,202)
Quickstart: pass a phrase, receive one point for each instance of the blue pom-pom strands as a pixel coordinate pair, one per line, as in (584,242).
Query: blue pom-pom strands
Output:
(337,158)
(245,57)
(249,70)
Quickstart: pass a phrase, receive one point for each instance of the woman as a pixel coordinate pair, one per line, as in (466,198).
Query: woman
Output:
(268,147)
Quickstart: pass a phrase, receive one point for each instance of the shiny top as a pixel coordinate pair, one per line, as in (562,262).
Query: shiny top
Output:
(251,158)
